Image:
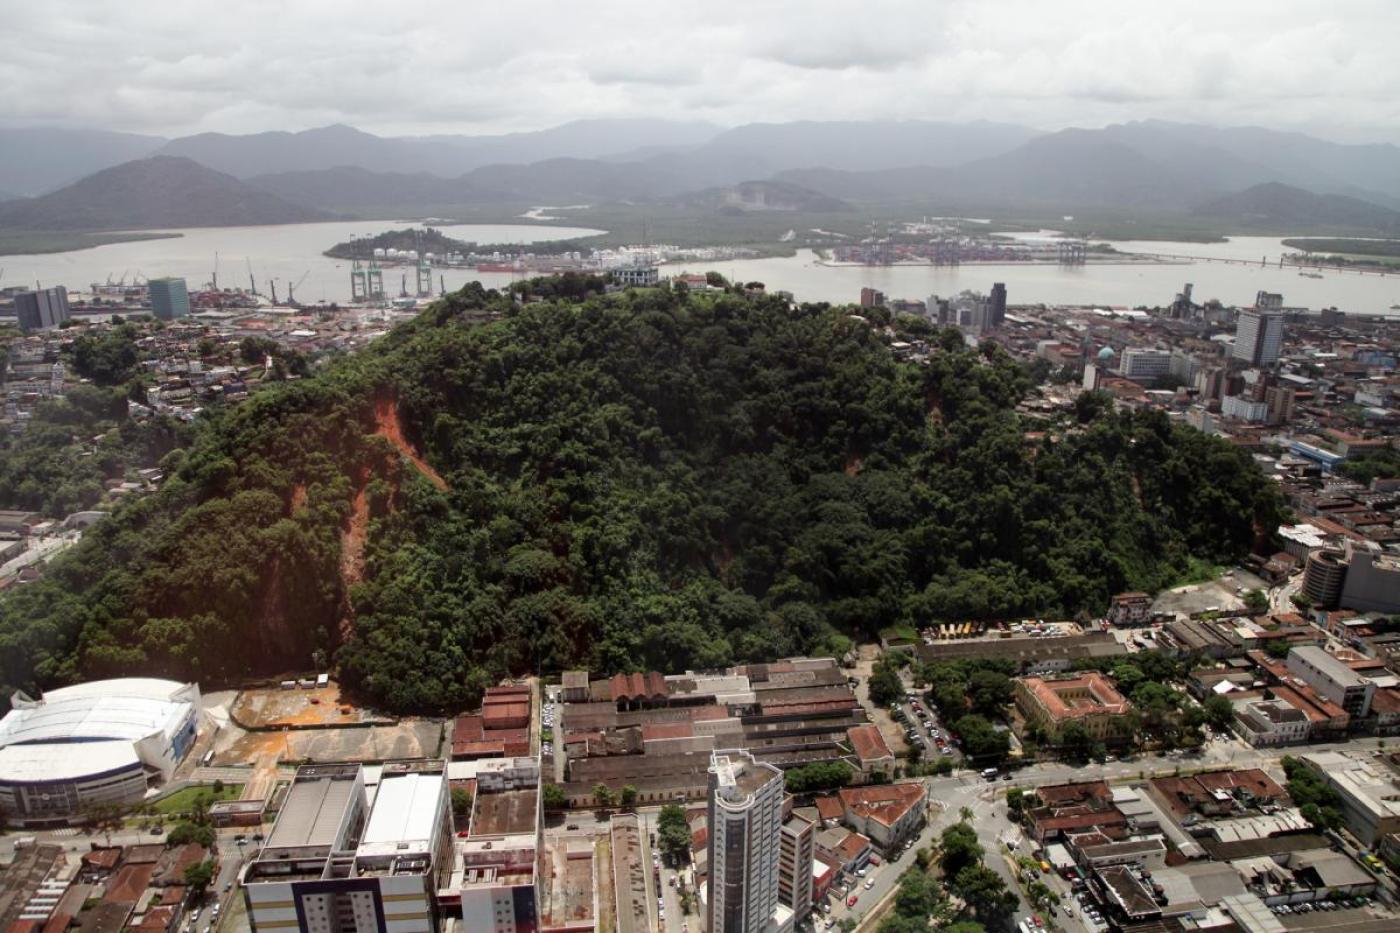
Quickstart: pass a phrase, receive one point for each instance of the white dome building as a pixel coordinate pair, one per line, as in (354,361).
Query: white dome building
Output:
(104,742)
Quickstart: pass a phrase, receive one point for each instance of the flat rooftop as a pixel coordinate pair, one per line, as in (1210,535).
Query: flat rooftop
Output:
(407,809)
(1330,666)
(507,812)
(315,806)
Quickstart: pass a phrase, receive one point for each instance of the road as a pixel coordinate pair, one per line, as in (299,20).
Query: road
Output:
(39,551)
(1281,597)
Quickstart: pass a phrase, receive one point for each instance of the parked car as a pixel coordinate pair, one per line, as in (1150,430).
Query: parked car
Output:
(851,901)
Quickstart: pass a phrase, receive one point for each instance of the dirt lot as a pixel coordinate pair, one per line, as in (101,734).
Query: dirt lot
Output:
(409,739)
(1222,594)
(259,707)
(568,882)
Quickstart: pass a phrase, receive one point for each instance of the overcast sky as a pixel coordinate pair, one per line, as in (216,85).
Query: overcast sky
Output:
(186,66)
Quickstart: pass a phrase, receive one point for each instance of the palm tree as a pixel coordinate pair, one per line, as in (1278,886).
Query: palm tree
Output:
(966,814)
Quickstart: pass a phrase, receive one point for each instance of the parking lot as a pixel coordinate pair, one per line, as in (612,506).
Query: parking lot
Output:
(921,726)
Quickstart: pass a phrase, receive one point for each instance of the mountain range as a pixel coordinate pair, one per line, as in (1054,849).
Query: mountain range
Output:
(161,191)
(1150,166)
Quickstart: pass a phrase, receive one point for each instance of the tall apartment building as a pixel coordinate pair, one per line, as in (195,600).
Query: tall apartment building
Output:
(745,825)
(1333,679)
(1145,363)
(996,305)
(1258,337)
(872,298)
(1372,582)
(796,850)
(169,298)
(42,309)
(335,864)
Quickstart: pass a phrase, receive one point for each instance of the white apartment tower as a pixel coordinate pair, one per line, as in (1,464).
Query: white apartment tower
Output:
(1258,337)
(745,824)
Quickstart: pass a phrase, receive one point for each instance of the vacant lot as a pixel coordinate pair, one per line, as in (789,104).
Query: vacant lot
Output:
(262,707)
(412,739)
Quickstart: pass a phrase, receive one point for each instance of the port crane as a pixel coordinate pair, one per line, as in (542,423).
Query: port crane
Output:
(252,282)
(291,288)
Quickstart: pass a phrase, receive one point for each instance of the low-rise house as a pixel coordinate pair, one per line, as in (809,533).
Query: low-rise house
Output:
(871,750)
(886,814)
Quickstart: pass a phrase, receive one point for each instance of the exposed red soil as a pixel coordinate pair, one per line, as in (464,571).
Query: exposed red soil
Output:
(853,464)
(387,425)
(352,548)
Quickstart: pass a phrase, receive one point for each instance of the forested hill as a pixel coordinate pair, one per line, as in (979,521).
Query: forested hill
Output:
(644,480)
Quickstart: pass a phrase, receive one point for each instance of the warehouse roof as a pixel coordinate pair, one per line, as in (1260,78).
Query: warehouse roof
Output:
(314,809)
(406,810)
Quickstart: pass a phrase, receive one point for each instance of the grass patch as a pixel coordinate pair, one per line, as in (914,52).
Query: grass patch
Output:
(1197,570)
(897,632)
(183,799)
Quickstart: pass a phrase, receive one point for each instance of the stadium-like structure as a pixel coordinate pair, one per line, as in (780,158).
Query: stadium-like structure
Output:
(93,744)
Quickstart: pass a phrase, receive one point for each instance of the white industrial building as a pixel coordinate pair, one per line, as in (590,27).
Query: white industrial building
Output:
(335,863)
(100,743)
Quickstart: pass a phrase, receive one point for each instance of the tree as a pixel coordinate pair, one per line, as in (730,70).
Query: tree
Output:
(673,835)
(1220,713)
(554,797)
(918,896)
(1015,803)
(1256,601)
(886,688)
(980,740)
(109,359)
(959,848)
(462,801)
(197,878)
(965,926)
(817,775)
(185,832)
(628,798)
(1075,739)
(990,691)
(984,891)
(603,796)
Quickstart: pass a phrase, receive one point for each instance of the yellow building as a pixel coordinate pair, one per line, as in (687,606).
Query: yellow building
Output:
(1089,699)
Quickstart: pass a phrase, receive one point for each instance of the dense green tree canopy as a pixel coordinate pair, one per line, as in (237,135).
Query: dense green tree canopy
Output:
(641,480)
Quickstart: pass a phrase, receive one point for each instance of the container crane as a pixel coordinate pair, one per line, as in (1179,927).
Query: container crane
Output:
(252,282)
(291,288)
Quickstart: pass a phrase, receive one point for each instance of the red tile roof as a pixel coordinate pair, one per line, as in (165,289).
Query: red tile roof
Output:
(868,743)
(852,846)
(829,808)
(705,713)
(1103,698)
(884,803)
(637,686)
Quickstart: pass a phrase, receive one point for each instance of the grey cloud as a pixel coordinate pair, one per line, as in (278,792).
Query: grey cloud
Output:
(182,66)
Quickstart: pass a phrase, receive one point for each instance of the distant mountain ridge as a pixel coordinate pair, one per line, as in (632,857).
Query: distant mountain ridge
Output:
(1146,166)
(161,191)
(34,160)
(1276,206)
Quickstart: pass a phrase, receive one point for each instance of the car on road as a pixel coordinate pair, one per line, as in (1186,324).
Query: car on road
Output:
(869,883)
(851,901)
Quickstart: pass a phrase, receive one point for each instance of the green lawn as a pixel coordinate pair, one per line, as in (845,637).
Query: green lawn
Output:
(183,799)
